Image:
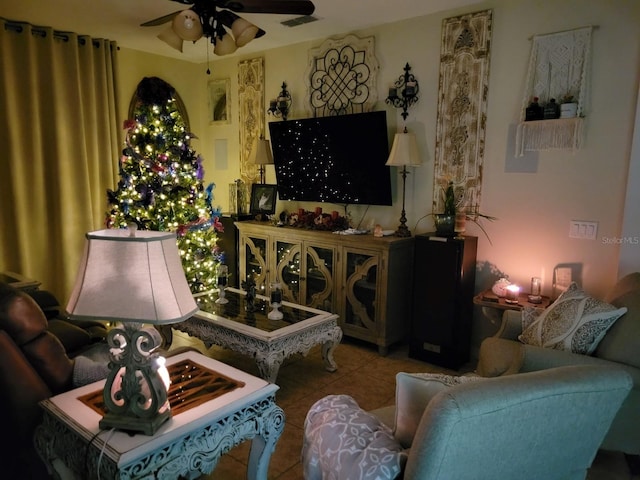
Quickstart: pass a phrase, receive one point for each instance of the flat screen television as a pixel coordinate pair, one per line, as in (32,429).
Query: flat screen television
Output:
(338,159)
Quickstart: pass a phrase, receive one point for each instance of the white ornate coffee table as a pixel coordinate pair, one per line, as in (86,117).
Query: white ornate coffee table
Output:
(231,326)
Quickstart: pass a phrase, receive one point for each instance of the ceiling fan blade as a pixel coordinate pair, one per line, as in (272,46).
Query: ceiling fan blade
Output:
(160,20)
(293,7)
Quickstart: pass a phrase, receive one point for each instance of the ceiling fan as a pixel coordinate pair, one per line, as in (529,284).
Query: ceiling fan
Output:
(216,20)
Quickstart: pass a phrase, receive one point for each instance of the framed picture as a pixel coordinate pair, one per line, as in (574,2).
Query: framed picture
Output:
(263,199)
(220,101)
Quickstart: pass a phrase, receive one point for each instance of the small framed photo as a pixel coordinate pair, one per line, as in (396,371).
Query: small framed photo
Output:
(263,199)
(220,101)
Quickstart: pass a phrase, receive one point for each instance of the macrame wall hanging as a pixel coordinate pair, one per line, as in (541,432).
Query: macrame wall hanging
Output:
(251,105)
(462,104)
(341,76)
(558,69)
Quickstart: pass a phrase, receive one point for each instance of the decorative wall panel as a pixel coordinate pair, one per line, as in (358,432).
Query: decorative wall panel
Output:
(251,106)
(342,76)
(462,104)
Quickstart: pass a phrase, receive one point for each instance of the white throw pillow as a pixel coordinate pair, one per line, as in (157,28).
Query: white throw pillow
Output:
(575,322)
(413,393)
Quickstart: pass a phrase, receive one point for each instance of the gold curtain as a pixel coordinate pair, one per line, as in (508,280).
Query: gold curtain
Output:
(59,140)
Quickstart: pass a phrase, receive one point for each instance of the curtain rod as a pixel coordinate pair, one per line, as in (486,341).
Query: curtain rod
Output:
(18,27)
(593,27)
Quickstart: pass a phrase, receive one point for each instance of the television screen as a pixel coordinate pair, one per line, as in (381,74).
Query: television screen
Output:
(338,159)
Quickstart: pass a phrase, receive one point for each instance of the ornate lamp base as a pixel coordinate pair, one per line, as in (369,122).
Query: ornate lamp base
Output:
(135,391)
(147,426)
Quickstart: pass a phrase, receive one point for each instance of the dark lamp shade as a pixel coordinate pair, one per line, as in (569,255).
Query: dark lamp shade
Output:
(404,151)
(131,279)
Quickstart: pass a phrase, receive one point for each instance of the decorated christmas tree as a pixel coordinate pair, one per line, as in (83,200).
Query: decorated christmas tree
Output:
(161,183)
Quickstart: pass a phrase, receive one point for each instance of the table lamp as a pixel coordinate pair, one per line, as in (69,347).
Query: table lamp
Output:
(404,152)
(133,277)
(261,155)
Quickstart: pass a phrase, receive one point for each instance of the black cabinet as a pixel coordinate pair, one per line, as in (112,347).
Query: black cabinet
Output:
(444,279)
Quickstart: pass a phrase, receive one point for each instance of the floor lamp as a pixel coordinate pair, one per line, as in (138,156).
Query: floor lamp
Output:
(135,278)
(261,155)
(404,153)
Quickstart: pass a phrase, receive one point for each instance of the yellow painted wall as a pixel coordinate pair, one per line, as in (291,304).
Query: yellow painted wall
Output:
(534,208)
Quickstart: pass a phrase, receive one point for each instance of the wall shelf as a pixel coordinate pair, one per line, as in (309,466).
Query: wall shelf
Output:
(553,134)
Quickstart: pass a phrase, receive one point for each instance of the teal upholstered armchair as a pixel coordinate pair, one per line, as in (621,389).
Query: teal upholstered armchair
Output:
(546,424)
(508,352)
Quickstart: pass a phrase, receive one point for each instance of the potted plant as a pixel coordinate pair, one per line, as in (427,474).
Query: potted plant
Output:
(454,217)
(445,222)
(568,107)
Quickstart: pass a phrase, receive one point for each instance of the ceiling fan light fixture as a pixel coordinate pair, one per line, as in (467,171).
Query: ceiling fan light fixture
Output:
(243,31)
(187,25)
(171,38)
(225,45)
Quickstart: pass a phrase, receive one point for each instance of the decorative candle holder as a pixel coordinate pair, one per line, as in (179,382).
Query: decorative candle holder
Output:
(276,302)
(280,107)
(404,91)
(512,293)
(223,275)
(536,287)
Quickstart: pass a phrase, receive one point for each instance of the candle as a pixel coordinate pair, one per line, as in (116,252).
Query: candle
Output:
(335,215)
(272,104)
(318,211)
(393,92)
(512,293)
(300,213)
(276,294)
(410,89)
(223,273)
(535,286)
(536,290)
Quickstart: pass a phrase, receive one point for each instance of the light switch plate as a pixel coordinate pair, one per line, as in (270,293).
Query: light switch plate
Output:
(583,229)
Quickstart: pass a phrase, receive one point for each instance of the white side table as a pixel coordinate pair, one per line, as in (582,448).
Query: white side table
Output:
(188,445)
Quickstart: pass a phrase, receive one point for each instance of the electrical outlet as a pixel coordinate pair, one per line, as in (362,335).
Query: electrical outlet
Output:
(583,229)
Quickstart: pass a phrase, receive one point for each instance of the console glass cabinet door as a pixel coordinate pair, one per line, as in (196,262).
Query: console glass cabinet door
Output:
(253,264)
(444,282)
(305,271)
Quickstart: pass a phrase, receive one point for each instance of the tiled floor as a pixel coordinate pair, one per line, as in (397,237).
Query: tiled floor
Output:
(363,374)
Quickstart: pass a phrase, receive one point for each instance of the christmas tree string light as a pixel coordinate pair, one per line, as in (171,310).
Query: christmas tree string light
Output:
(161,185)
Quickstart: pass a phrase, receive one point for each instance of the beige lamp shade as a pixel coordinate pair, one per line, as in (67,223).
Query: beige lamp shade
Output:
(225,45)
(171,38)
(404,151)
(131,278)
(187,25)
(261,152)
(243,31)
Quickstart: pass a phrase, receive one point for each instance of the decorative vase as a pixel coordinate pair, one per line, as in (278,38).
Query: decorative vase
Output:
(568,110)
(444,223)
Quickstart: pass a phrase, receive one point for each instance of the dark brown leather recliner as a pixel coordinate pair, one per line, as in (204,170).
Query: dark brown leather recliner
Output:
(33,366)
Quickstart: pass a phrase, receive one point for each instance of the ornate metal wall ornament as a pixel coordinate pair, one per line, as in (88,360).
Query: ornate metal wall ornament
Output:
(251,105)
(342,76)
(404,92)
(462,104)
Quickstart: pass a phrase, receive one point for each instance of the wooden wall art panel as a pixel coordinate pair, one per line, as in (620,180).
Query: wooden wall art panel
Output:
(462,104)
(251,110)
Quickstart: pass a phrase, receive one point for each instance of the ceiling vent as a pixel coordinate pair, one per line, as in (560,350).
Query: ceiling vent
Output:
(294,22)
